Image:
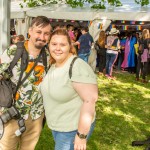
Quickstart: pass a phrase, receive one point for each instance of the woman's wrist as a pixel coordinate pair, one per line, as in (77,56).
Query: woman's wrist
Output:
(81,135)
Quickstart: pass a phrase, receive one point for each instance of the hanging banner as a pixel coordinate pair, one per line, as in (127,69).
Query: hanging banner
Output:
(89,23)
(139,27)
(122,21)
(141,22)
(132,22)
(100,26)
(125,27)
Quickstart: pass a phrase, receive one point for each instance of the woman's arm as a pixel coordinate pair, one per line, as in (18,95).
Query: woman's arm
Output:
(89,95)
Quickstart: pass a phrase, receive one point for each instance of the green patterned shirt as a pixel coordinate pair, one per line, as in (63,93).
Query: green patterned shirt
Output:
(28,98)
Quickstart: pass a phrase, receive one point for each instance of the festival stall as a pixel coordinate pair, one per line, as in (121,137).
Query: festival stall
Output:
(129,14)
(98,19)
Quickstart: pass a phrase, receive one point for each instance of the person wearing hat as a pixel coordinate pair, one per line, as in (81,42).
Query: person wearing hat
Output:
(113,46)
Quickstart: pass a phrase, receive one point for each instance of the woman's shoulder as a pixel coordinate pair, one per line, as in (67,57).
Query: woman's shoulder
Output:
(80,63)
(82,72)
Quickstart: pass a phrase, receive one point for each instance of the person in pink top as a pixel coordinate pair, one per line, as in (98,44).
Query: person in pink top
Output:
(70,29)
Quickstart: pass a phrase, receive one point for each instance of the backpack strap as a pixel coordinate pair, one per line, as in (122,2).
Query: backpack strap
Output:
(71,65)
(19,52)
(21,81)
(115,42)
(44,58)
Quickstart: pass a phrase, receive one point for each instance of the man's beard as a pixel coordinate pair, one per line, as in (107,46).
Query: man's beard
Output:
(39,46)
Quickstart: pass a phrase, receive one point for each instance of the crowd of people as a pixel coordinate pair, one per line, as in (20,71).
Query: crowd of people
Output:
(121,50)
(115,49)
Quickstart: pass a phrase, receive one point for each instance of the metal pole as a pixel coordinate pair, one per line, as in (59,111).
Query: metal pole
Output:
(4,24)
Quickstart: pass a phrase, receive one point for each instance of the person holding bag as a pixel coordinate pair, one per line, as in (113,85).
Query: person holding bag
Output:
(113,46)
(69,98)
(28,100)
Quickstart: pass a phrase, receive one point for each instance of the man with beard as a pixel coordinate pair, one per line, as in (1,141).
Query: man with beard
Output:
(28,100)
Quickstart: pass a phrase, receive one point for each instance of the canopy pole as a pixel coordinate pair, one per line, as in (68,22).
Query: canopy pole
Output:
(4,24)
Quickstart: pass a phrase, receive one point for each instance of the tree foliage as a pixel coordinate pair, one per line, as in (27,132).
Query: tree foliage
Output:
(142,2)
(75,3)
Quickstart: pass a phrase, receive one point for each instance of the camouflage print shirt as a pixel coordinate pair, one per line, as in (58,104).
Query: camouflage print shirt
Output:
(28,99)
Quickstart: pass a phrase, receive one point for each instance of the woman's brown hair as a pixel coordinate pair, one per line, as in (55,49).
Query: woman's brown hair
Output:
(102,39)
(64,33)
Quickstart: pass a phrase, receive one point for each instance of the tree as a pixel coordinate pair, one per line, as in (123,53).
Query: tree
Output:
(142,2)
(75,3)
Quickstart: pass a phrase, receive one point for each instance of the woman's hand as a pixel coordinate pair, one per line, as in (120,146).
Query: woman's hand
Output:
(79,144)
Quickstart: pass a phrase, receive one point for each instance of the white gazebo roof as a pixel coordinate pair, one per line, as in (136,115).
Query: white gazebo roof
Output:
(129,11)
(17,11)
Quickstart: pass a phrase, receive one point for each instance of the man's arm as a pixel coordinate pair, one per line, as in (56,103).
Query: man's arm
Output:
(76,43)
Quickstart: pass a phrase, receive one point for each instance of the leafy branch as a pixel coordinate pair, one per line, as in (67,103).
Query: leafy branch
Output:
(142,2)
(76,3)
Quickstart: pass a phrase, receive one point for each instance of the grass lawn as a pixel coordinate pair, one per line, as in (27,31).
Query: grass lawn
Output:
(123,115)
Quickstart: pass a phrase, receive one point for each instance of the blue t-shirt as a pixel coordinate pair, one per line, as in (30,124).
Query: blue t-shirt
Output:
(85,41)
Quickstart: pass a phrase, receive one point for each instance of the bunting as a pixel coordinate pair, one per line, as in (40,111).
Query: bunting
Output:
(141,22)
(132,22)
(90,23)
(139,27)
(122,21)
(125,27)
(100,26)
(112,26)
(61,20)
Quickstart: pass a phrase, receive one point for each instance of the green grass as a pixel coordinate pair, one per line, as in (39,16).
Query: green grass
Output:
(123,115)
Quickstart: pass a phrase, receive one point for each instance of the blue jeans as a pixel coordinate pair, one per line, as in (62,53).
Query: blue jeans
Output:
(84,56)
(110,60)
(64,140)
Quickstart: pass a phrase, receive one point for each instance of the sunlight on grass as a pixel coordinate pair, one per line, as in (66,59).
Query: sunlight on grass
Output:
(107,110)
(122,115)
(124,107)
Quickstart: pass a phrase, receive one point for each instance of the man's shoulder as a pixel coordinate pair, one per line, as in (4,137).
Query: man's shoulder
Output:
(10,51)
(12,48)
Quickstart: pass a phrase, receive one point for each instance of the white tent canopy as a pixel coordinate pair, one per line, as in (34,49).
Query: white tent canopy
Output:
(64,11)
(129,11)
(16,11)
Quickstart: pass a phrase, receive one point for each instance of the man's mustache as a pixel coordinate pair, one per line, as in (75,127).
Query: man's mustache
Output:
(44,41)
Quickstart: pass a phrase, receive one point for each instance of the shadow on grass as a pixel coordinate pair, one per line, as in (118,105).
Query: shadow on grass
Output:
(122,113)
